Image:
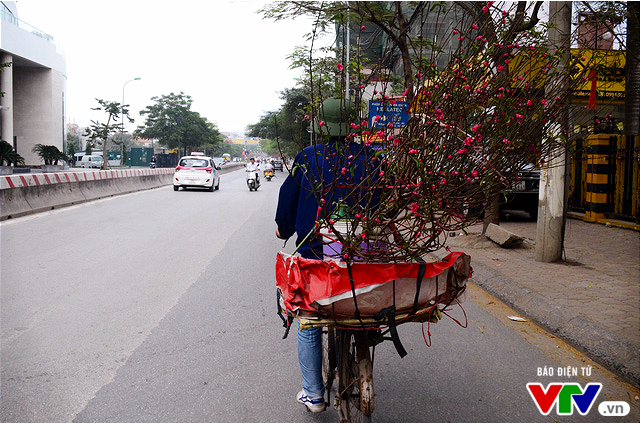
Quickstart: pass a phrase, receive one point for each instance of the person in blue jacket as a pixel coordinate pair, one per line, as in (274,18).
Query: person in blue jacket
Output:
(322,177)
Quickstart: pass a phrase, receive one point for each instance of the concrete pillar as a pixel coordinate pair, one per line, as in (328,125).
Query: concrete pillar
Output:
(552,199)
(6,102)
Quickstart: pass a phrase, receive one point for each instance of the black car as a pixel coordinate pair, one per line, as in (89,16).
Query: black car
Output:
(523,195)
(277,165)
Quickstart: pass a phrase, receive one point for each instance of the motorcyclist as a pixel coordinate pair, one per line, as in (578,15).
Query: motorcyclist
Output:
(253,166)
(268,167)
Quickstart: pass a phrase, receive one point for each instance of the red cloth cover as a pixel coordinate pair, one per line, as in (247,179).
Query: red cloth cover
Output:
(303,281)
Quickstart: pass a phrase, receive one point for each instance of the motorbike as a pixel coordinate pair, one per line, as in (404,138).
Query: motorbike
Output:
(268,174)
(153,165)
(253,182)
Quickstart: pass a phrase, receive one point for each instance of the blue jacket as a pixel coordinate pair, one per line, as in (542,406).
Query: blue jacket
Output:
(336,170)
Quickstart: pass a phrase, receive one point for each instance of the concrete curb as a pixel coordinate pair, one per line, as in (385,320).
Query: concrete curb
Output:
(32,193)
(599,343)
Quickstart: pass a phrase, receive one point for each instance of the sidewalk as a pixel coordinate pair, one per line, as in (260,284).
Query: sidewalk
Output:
(591,300)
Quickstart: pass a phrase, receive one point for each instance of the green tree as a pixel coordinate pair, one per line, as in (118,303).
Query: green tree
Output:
(8,155)
(50,155)
(100,133)
(172,122)
(73,143)
(285,130)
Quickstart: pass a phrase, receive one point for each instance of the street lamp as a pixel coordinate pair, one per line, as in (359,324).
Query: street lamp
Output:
(122,123)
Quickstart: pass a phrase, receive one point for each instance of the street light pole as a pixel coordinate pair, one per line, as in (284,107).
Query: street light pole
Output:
(122,121)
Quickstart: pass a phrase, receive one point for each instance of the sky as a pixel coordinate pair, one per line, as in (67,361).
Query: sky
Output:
(230,60)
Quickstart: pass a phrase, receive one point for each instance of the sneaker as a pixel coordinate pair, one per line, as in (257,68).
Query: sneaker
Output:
(313,405)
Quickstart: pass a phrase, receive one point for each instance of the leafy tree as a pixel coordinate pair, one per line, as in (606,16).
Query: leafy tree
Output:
(124,140)
(8,155)
(73,143)
(49,154)
(88,147)
(287,129)
(100,133)
(172,122)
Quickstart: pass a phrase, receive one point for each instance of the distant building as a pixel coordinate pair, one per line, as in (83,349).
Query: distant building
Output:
(32,110)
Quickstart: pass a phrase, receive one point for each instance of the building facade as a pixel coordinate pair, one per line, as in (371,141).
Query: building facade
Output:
(33,82)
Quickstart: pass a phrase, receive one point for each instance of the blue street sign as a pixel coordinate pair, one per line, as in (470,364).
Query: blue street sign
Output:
(396,114)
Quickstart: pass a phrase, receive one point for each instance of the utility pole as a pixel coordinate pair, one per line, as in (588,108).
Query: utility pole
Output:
(552,198)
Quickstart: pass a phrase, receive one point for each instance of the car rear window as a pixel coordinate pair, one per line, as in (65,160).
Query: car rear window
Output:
(194,163)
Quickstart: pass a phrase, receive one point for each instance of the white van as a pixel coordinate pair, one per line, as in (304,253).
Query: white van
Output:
(90,161)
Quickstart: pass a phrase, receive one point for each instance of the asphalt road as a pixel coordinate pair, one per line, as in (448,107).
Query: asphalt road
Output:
(160,306)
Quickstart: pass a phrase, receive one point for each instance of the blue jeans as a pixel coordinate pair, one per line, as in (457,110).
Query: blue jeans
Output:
(310,358)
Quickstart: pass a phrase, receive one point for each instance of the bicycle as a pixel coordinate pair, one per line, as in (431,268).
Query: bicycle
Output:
(346,355)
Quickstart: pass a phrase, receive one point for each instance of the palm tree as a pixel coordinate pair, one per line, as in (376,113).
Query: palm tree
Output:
(49,154)
(8,155)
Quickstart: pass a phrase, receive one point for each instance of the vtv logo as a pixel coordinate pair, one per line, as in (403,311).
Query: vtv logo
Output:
(564,396)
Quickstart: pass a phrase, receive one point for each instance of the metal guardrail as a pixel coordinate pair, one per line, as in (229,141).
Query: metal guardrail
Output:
(7,16)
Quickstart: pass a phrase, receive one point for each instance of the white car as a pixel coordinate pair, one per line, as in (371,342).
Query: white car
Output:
(90,161)
(196,171)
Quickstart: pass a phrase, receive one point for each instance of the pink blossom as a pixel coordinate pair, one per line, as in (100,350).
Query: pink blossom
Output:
(363,235)
(343,170)
(340,67)
(414,208)
(468,141)
(474,173)
(364,28)
(475,26)
(476,127)
(467,86)
(405,92)
(455,31)
(461,151)
(413,151)
(499,68)
(321,123)
(443,181)
(543,101)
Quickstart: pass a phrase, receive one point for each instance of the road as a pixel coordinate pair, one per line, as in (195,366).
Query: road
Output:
(159,306)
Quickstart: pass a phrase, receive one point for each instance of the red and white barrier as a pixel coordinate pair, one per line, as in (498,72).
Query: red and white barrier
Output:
(26,180)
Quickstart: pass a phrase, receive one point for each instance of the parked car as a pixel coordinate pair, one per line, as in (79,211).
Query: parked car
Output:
(90,161)
(523,194)
(196,171)
(277,165)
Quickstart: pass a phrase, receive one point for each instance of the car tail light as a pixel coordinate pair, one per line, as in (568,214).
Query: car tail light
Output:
(209,170)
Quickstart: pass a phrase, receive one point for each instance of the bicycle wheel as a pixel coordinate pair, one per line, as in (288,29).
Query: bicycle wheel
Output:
(355,377)
(328,361)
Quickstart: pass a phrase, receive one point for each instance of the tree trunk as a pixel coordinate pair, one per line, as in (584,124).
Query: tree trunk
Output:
(491,211)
